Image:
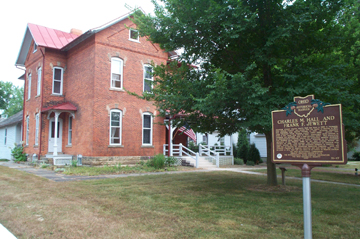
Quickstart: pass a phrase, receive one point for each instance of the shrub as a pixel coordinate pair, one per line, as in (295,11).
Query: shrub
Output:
(73,163)
(170,161)
(193,147)
(243,152)
(158,161)
(18,153)
(356,156)
(253,154)
(238,161)
(250,163)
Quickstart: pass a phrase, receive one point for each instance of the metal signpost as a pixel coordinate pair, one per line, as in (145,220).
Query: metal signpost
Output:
(308,133)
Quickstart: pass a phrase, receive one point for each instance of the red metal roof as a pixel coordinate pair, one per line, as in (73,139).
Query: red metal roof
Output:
(62,106)
(48,37)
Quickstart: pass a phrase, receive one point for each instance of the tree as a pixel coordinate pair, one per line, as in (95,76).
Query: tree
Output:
(242,145)
(253,56)
(11,98)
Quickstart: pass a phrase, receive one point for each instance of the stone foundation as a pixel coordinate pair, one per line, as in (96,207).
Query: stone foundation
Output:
(112,160)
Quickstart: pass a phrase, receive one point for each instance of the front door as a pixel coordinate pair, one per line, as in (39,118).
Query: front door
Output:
(52,135)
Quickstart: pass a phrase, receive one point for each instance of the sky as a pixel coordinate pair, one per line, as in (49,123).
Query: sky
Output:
(61,15)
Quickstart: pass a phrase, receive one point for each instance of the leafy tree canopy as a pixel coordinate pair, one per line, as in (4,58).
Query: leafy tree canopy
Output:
(254,56)
(11,98)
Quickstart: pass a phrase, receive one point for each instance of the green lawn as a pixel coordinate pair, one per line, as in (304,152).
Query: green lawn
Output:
(331,174)
(188,205)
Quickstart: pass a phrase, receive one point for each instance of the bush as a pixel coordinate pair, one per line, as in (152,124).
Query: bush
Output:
(238,161)
(193,147)
(170,161)
(250,163)
(253,154)
(18,153)
(243,152)
(356,156)
(158,161)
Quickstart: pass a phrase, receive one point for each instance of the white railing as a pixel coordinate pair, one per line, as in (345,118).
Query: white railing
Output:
(180,150)
(207,151)
(221,149)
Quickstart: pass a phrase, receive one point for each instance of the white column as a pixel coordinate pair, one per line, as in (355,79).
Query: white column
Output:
(56,133)
(307,208)
(231,146)
(171,138)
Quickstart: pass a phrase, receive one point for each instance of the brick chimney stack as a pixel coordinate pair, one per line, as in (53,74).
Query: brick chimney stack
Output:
(76,31)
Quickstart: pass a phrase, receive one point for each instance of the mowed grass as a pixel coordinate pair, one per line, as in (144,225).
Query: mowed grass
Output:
(322,173)
(116,169)
(187,205)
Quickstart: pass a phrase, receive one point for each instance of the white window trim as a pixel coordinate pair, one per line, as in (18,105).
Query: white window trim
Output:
(35,47)
(120,123)
(131,39)
(37,119)
(38,89)
(70,130)
(121,73)
(29,86)
(151,129)
(62,80)
(27,130)
(152,78)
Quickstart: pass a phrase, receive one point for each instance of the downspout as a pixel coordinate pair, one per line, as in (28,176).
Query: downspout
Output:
(41,101)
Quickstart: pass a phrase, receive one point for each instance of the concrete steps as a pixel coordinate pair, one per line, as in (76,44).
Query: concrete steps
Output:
(203,163)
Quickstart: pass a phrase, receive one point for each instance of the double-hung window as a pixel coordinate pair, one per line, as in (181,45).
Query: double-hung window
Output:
(70,130)
(115,127)
(57,88)
(29,86)
(27,130)
(38,81)
(116,73)
(147,129)
(148,78)
(37,129)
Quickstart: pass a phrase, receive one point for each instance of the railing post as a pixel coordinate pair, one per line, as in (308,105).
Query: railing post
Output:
(197,160)
(200,149)
(217,160)
(180,149)
(164,149)
(231,150)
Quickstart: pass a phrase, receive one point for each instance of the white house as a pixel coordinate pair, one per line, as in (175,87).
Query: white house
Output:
(10,134)
(255,138)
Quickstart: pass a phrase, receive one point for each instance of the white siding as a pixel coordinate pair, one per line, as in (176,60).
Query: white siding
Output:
(13,136)
(260,142)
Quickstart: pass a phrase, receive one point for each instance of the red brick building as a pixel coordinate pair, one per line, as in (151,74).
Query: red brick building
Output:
(75,100)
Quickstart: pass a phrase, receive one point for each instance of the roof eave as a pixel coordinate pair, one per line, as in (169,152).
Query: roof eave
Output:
(24,49)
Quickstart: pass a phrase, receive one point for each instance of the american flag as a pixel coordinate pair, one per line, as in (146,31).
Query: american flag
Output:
(189,132)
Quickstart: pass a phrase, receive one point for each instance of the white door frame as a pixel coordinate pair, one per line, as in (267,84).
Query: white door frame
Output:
(55,143)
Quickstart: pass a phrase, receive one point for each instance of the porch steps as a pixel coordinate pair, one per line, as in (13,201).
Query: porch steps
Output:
(61,159)
(203,163)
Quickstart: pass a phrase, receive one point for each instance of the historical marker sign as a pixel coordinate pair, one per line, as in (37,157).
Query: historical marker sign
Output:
(308,131)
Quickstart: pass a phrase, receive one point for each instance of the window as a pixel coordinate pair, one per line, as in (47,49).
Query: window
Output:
(148,78)
(134,35)
(115,127)
(38,81)
(37,129)
(29,86)
(57,81)
(70,131)
(27,130)
(147,129)
(35,47)
(116,73)
(222,141)
(5,138)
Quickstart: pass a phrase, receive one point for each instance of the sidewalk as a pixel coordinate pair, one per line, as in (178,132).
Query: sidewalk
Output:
(59,177)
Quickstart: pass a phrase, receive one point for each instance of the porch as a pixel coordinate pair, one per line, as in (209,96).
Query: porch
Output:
(206,156)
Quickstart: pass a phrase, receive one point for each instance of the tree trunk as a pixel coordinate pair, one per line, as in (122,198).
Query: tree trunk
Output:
(271,168)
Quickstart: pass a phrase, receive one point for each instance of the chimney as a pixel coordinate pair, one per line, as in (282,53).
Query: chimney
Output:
(76,31)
